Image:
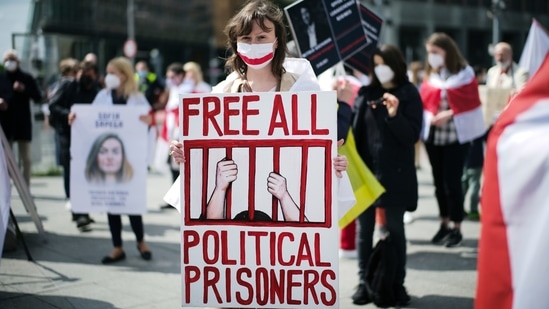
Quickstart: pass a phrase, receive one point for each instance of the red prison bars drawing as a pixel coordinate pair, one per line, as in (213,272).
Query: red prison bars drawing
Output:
(306,166)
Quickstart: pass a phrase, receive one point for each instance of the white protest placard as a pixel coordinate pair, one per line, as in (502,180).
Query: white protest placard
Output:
(259,204)
(108,159)
(494,100)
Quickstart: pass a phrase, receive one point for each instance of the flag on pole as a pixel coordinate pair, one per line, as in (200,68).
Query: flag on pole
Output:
(535,48)
(512,266)
(365,185)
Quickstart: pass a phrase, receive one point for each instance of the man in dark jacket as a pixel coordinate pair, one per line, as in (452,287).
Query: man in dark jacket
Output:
(6,95)
(17,122)
(81,90)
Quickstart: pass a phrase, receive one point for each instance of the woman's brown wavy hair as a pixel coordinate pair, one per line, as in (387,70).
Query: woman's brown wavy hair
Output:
(242,23)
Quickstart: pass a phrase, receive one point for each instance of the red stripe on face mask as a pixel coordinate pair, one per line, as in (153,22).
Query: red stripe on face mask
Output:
(256,61)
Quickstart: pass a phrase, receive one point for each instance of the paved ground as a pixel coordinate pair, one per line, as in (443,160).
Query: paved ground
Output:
(67,270)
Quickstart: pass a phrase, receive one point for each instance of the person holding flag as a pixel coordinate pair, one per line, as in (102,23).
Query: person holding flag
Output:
(452,118)
(513,248)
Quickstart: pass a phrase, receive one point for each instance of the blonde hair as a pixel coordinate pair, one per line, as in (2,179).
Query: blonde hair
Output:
(68,66)
(10,53)
(194,67)
(129,86)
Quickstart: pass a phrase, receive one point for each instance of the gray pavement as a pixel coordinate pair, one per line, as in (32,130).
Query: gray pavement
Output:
(67,270)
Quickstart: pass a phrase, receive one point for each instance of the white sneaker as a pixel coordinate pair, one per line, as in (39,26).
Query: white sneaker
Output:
(348,254)
(408,218)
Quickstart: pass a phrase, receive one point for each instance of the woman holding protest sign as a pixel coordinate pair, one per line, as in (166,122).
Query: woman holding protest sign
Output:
(257,41)
(121,89)
(387,125)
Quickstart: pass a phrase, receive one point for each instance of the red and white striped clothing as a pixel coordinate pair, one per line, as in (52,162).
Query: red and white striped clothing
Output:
(461,92)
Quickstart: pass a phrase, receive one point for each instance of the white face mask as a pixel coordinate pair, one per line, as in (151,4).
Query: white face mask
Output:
(256,56)
(384,73)
(435,60)
(10,65)
(112,81)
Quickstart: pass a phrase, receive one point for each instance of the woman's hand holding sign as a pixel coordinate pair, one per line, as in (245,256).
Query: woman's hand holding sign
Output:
(176,151)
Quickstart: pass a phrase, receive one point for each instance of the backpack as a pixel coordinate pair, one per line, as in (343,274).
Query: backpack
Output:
(381,273)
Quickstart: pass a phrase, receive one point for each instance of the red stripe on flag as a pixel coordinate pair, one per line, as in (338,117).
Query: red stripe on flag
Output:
(461,99)
(495,286)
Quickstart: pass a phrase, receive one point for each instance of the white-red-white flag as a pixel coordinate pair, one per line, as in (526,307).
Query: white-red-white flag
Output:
(535,48)
(513,264)
(461,91)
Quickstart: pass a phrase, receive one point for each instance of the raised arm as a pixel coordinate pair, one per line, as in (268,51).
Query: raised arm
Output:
(276,185)
(226,173)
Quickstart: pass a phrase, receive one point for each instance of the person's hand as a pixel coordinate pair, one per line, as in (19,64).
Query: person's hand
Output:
(344,91)
(227,172)
(442,118)
(146,119)
(391,102)
(340,162)
(18,86)
(176,151)
(3,105)
(276,185)
(71,118)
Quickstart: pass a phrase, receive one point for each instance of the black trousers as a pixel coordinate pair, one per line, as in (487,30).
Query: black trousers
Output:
(115,225)
(447,168)
(65,160)
(395,226)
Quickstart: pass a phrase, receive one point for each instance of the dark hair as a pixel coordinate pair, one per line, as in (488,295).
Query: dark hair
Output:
(177,68)
(87,65)
(453,61)
(258,216)
(242,23)
(393,58)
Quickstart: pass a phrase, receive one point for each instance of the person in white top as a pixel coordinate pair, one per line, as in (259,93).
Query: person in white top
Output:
(259,64)
(505,74)
(121,88)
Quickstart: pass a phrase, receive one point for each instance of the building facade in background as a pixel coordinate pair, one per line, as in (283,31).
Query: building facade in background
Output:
(167,31)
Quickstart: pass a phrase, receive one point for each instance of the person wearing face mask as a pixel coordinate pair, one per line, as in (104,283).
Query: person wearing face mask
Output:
(258,63)
(386,126)
(17,120)
(193,73)
(453,118)
(148,84)
(505,74)
(81,90)
(121,89)
(185,78)
(176,83)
